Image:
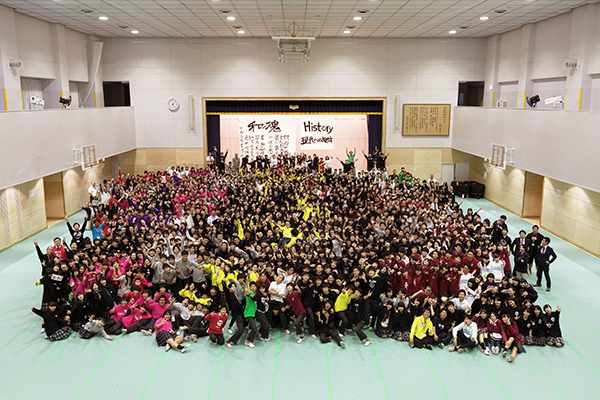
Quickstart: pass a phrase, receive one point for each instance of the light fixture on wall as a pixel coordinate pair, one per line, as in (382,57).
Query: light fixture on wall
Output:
(554,100)
(532,101)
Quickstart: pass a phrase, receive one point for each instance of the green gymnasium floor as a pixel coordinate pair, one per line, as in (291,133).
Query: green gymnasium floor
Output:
(133,367)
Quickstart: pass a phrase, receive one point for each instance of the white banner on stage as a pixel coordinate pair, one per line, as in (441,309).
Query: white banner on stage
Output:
(267,134)
(316,132)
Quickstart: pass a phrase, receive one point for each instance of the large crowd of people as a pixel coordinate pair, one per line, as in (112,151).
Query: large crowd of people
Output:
(289,243)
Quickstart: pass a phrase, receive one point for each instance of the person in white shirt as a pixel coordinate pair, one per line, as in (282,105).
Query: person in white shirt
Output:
(461,302)
(465,335)
(431,181)
(464,278)
(93,191)
(328,163)
(277,292)
(496,267)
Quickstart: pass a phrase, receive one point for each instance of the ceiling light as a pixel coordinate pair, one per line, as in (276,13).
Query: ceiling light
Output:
(347,32)
(484,18)
(241,32)
(452,32)
(103,18)
(231,18)
(357,18)
(135,32)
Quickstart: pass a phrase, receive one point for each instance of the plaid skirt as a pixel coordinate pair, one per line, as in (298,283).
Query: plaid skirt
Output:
(555,340)
(60,334)
(384,332)
(163,336)
(85,334)
(404,336)
(481,331)
(528,340)
(538,340)
(520,348)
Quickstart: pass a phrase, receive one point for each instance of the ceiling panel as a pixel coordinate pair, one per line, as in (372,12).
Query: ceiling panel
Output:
(264,18)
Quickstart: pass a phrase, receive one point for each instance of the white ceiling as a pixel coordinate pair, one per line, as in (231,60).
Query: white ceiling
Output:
(318,18)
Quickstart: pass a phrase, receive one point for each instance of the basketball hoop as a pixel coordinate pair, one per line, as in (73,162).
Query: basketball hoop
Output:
(488,167)
(99,166)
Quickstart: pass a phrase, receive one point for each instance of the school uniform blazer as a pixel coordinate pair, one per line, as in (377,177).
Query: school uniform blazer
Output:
(517,242)
(547,255)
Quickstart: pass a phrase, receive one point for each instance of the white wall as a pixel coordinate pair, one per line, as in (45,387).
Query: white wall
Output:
(510,53)
(420,70)
(40,143)
(559,145)
(551,47)
(34,40)
(76,56)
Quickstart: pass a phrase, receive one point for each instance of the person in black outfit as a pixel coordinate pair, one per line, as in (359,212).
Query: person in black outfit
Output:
(522,240)
(535,238)
(325,323)
(57,327)
(236,309)
(545,257)
(370,161)
(77,232)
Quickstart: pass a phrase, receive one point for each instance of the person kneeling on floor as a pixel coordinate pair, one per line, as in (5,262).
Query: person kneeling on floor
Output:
(465,335)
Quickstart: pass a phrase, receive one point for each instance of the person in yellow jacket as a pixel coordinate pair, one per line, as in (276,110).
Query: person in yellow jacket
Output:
(213,268)
(340,307)
(421,332)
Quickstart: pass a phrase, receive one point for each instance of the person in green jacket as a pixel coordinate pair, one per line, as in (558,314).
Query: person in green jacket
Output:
(250,313)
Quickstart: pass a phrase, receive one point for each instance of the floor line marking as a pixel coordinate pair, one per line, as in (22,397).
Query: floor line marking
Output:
(387,396)
(493,376)
(212,381)
(545,376)
(18,337)
(98,366)
(436,374)
(37,369)
(328,373)
(276,364)
(152,376)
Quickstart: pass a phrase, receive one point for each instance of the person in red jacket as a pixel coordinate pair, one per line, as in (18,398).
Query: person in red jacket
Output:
(295,303)
(471,261)
(505,256)
(59,250)
(512,338)
(454,285)
(217,323)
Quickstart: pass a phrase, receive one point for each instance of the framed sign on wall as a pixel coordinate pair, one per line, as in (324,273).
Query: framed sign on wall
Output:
(426,120)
